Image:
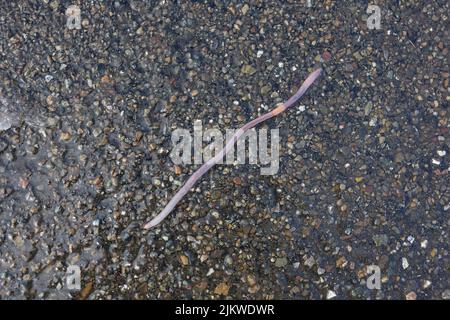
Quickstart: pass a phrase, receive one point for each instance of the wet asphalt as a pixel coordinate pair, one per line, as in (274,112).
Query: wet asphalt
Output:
(85,139)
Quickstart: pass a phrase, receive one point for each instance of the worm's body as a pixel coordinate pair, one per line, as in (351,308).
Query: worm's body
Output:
(228,147)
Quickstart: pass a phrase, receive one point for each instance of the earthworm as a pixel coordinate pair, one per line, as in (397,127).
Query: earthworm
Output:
(230,144)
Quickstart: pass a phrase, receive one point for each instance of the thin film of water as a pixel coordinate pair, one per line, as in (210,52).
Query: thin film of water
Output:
(12,113)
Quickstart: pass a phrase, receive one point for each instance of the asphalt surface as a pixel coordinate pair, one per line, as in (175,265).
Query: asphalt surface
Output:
(85,141)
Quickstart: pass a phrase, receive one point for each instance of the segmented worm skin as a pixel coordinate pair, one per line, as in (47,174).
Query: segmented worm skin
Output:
(228,147)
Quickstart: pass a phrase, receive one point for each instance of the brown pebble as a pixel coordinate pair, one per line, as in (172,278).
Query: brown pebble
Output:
(86,291)
(411,296)
(105,79)
(184,260)
(222,288)
(326,56)
(50,100)
(138,136)
(251,280)
(65,136)
(97,181)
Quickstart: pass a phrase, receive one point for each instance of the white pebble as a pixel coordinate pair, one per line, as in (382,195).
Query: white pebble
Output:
(330,294)
(426,284)
(215,214)
(441,153)
(436,162)
(405,263)
(259,53)
(424,244)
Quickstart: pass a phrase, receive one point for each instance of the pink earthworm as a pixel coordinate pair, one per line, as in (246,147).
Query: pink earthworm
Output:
(211,162)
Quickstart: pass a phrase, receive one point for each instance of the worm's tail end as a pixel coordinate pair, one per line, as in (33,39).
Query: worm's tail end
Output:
(150,225)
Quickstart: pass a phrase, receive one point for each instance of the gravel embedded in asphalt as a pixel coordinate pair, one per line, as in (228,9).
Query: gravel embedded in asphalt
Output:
(85,142)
